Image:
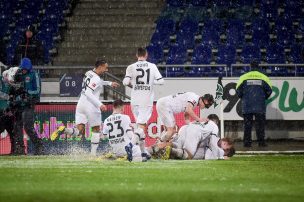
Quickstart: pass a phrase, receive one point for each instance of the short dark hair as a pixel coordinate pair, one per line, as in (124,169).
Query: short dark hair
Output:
(141,52)
(214,118)
(100,62)
(118,103)
(230,151)
(209,98)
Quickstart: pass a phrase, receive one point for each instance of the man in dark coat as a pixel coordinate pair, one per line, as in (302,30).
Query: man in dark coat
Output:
(254,88)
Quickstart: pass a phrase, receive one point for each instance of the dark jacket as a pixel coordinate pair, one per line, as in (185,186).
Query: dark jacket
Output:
(32,49)
(253,88)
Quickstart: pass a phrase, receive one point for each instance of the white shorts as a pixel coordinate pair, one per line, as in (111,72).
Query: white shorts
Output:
(165,114)
(87,113)
(141,114)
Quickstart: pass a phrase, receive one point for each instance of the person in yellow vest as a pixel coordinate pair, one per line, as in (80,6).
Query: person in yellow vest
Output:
(254,88)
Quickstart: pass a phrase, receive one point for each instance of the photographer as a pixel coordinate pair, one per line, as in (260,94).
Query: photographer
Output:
(7,119)
(24,94)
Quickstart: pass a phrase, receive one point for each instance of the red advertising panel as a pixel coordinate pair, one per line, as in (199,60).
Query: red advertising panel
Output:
(51,116)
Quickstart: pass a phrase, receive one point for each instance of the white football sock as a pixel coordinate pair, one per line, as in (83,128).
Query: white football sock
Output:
(94,143)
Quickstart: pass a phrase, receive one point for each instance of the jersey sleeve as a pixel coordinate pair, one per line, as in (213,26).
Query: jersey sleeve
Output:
(193,99)
(217,152)
(127,126)
(158,79)
(94,83)
(128,76)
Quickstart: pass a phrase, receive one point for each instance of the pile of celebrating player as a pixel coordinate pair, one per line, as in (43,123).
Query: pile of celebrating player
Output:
(196,140)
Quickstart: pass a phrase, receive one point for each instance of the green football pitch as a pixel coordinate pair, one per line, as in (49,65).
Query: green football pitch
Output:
(81,178)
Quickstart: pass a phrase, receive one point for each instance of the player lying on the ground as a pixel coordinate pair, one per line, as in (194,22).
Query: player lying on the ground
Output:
(117,128)
(198,140)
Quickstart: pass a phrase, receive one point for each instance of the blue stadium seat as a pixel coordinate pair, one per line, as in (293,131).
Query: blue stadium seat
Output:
(301,26)
(235,33)
(221,3)
(242,3)
(177,54)
(296,54)
(226,54)
(285,38)
(185,39)
(283,23)
(202,54)
(165,26)
(160,39)
(275,55)
(273,3)
(199,3)
(176,3)
(4,24)
(299,71)
(294,8)
(260,32)
(269,12)
(211,37)
(249,53)
(189,26)
(213,24)
(155,54)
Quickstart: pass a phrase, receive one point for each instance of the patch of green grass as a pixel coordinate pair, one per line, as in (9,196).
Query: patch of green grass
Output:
(80,178)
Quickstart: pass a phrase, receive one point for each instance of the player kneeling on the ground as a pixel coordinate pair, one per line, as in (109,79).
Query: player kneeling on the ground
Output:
(117,128)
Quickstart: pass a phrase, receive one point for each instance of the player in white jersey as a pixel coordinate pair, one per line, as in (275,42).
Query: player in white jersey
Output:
(88,109)
(199,140)
(117,128)
(201,134)
(185,102)
(142,76)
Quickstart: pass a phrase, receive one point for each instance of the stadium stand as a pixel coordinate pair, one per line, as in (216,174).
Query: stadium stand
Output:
(114,29)
(269,31)
(47,16)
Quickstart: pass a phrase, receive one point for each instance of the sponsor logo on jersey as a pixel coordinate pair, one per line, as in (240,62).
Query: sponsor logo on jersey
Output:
(94,85)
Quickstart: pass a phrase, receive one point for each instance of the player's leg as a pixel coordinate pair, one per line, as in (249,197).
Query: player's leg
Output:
(94,119)
(248,119)
(80,118)
(142,115)
(260,128)
(167,118)
(95,139)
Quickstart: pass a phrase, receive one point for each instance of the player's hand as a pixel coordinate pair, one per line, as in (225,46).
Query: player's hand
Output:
(115,84)
(226,158)
(162,145)
(103,108)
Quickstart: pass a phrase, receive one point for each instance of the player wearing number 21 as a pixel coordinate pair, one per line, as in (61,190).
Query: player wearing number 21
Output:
(142,76)
(89,107)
